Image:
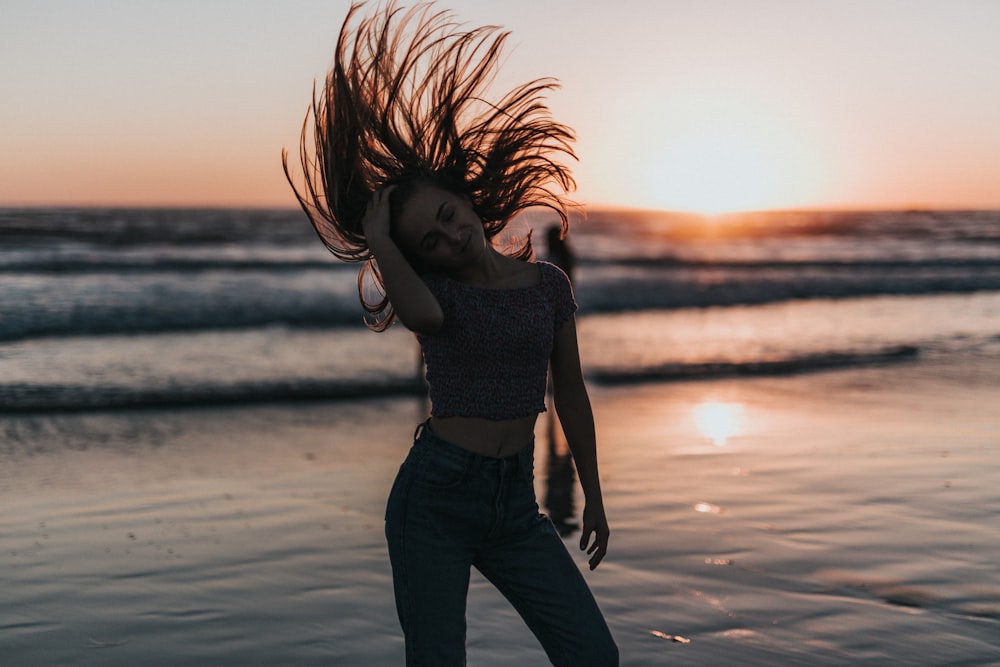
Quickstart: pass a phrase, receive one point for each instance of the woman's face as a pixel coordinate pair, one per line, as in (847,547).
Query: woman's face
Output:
(439,228)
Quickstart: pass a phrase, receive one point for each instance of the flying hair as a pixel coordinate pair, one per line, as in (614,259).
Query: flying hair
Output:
(406,99)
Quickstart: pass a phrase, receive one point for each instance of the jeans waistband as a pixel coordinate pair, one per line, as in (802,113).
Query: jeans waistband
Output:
(424,436)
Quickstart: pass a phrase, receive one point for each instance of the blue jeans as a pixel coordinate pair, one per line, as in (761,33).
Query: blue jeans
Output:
(451,509)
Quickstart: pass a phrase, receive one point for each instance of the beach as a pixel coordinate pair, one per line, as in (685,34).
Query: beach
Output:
(796,419)
(850,517)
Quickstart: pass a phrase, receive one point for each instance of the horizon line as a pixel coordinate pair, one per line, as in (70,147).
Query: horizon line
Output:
(594,206)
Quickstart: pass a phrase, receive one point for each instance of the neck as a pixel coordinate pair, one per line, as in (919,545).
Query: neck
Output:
(487,270)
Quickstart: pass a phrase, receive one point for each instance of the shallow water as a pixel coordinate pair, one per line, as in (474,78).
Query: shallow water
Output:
(835,518)
(208,537)
(852,520)
(771,516)
(281,362)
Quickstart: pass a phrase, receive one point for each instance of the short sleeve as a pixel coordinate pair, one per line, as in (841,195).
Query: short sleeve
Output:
(561,292)
(438,285)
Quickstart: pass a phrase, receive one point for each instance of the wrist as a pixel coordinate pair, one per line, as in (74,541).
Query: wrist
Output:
(378,241)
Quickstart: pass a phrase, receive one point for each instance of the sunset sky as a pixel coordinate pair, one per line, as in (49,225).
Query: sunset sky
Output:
(684,105)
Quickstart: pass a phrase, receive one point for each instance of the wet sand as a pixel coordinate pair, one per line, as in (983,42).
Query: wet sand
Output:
(848,517)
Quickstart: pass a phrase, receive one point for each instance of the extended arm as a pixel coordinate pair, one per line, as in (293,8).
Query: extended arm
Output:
(415,305)
(577,418)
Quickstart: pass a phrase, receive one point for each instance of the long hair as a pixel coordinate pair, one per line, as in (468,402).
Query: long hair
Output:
(405,100)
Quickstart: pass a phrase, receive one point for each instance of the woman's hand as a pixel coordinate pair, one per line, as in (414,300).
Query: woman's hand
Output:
(596,523)
(415,305)
(375,221)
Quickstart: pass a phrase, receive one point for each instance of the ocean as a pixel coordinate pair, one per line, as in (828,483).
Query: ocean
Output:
(796,419)
(116,308)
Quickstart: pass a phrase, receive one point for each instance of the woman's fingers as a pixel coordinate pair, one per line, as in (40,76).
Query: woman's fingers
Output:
(598,550)
(376,216)
(599,547)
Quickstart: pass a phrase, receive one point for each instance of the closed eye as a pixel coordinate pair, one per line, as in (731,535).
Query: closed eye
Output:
(429,241)
(445,212)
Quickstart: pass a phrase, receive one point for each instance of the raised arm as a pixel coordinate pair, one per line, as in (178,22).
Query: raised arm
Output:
(572,404)
(415,305)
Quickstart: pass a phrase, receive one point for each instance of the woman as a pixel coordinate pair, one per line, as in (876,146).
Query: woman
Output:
(409,170)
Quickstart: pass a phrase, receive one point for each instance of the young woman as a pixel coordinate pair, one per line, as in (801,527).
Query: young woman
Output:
(412,172)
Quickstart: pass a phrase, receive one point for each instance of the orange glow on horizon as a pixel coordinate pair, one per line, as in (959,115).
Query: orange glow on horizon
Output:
(766,106)
(715,151)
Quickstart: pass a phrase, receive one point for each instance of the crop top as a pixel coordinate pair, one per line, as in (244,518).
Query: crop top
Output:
(490,358)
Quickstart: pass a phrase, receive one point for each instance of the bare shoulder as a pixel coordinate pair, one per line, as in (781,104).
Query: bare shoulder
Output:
(518,273)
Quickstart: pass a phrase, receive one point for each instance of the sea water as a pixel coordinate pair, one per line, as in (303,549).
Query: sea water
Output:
(144,307)
(197,434)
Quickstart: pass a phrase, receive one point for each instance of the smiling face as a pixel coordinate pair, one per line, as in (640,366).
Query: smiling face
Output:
(437,228)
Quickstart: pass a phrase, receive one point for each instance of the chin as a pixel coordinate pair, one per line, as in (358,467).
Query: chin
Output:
(474,251)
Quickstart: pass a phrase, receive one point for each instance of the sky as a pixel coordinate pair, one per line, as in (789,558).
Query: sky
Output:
(694,105)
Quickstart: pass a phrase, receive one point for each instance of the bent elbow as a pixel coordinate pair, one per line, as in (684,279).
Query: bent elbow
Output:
(423,323)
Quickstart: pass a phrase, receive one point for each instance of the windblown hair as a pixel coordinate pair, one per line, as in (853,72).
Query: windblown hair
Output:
(403,102)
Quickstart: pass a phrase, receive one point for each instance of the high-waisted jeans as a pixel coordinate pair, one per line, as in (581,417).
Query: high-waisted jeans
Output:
(451,509)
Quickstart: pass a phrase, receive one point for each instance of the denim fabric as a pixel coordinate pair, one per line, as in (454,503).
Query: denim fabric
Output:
(451,509)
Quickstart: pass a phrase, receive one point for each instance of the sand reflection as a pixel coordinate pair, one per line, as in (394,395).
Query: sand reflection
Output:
(718,421)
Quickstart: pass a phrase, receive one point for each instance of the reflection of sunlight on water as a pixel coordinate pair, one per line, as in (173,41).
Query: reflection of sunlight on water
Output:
(708,508)
(718,421)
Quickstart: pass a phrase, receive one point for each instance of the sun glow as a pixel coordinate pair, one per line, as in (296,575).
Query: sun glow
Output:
(719,152)
(718,421)
(716,173)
